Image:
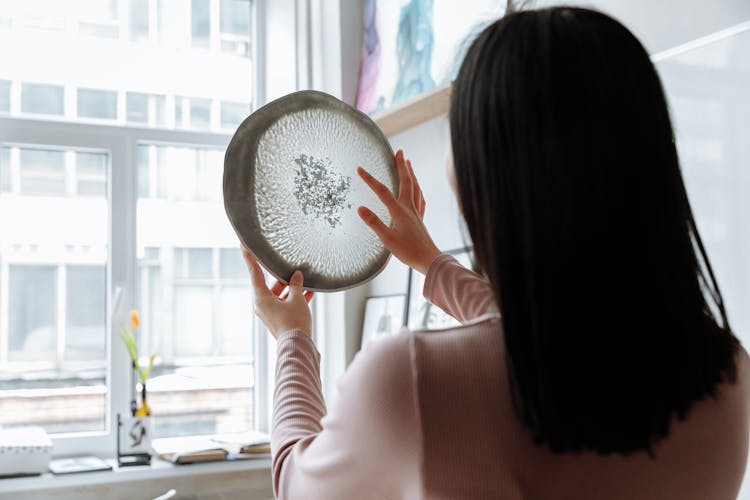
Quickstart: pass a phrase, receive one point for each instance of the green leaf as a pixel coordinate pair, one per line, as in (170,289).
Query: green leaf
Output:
(129,340)
(147,371)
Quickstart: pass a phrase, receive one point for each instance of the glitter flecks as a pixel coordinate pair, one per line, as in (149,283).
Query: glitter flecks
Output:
(320,192)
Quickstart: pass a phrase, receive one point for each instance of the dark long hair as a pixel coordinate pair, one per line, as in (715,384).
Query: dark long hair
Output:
(570,185)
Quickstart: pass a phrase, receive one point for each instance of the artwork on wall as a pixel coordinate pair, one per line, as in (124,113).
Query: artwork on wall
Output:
(401,55)
(421,314)
(384,316)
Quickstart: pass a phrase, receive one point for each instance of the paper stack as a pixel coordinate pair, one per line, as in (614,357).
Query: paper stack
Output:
(24,451)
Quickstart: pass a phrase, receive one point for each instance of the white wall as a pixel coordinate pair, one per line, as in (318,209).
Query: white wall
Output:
(663,24)
(660,25)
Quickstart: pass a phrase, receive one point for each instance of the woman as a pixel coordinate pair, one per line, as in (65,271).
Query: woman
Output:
(612,371)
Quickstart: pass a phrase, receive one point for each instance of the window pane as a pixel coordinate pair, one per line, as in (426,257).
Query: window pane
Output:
(233,113)
(143,172)
(236,320)
(32,328)
(5,184)
(42,171)
(193,263)
(100,104)
(200,22)
(198,299)
(4,96)
(98,18)
(137,107)
(42,99)
(200,113)
(194,318)
(711,132)
(138,20)
(166,75)
(235,17)
(160,120)
(91,174)
(85,313)
(232,267)
(53,312)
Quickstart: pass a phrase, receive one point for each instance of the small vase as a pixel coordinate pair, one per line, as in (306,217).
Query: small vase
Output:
(143,410)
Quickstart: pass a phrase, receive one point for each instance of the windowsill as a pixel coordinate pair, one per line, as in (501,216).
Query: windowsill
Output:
(159,469)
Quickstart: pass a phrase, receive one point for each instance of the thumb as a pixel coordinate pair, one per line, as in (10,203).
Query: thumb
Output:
(295,283)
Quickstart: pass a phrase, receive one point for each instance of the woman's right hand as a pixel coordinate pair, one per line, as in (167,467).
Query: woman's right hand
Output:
(407,238)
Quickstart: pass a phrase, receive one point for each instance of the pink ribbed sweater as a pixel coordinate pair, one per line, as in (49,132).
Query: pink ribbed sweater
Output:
(427,414)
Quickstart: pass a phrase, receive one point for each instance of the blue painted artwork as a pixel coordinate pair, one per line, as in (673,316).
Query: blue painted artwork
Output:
(414,50)
(410,46)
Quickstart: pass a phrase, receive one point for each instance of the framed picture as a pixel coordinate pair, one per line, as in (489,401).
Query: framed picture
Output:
(411,46)
(421,314)
(384,316)
(133,440)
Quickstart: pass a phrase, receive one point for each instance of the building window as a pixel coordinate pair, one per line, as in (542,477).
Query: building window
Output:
(235,24)
(42,99)
(5,185)
(233,113)
(42,172)
(32,313)
(54,314)
(193,287)
(200,19)
(4,96)
(91,174)
(99,18)
(139,22)
(191,112)
(190,285)
(98,104)
(146,109)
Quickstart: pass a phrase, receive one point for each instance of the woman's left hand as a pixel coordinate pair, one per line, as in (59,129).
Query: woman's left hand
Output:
(281,308)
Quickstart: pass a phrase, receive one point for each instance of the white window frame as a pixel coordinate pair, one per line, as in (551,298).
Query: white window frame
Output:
(282,65)
(122,193)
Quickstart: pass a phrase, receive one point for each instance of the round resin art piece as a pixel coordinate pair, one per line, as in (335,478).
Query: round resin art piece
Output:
(291,189)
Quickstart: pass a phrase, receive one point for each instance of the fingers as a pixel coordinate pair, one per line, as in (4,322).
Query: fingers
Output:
(418,197)
(374,222)
(277,288)
(406,185)
(295,284)
(379,189)
(256,273)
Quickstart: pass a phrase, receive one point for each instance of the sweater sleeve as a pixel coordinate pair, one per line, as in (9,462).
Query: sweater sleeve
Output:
(458,291)
(367,446)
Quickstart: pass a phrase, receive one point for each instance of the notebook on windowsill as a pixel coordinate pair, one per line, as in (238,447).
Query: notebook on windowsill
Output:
(193,449)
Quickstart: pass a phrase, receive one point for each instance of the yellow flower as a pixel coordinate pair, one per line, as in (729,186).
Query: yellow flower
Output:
(134,321)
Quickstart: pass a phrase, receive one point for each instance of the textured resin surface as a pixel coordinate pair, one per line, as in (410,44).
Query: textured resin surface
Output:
(292,192)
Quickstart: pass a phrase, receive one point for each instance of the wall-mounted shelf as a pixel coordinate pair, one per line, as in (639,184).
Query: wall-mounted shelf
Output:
(420,109)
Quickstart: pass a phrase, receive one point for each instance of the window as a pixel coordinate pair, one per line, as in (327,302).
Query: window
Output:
(99,18)
(708,111)
(32,313)
(100,104)
(78,187)
(146,109)
(192,113)
(42,172)
(53,301)
(235,26)
(4,96)
(200,23)
(139,20)
(194,288)
(91,174)
(233,113)
(42,99)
